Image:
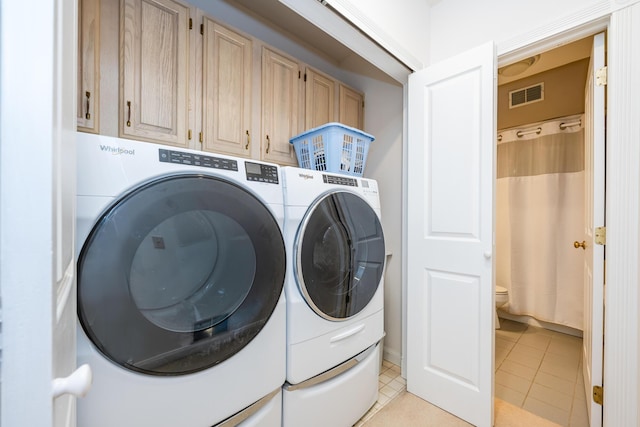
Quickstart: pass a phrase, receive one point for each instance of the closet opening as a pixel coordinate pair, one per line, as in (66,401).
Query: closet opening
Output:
(549,197)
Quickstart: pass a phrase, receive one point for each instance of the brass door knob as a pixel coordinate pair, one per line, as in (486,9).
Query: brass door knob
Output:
(582,245)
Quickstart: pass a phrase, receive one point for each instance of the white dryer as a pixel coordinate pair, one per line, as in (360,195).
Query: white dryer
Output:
(181,267)
(334,292)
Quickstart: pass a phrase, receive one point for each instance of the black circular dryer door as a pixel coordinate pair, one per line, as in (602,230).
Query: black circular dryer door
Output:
(339,255)
(180,274)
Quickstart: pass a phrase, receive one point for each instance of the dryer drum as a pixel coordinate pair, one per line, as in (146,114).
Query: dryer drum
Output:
(340,254)
(180,274)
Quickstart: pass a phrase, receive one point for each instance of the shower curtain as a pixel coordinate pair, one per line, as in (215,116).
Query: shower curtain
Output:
(539,215)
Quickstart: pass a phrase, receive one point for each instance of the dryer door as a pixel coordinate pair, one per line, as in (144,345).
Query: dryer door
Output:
(339,255)
(180,274)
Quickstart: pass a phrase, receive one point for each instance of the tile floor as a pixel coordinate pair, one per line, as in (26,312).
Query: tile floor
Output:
(541,371)
(536,369)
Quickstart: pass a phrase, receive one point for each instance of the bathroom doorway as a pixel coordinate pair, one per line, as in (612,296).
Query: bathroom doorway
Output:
(544,201)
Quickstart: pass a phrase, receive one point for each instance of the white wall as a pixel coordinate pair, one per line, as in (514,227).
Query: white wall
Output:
(399,26)
(383,119)
(455,25)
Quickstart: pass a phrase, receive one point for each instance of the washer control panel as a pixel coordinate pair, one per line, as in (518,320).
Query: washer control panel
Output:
(341,180)
(170,156)
(261,172)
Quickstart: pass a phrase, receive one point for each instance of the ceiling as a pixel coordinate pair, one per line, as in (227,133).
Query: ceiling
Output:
(298,29)
(548,60)
(302,31)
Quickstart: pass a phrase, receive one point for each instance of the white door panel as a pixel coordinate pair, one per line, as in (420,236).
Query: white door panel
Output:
(594,217)
(450,234)
(37,215)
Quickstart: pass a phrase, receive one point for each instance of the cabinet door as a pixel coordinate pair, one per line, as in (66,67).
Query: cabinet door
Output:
(319,99)
(154,71)
(280,95)
(351,107)
(226,116)
(88,95)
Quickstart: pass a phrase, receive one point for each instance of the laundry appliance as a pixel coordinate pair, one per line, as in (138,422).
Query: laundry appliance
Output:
(334,291)
(181,267)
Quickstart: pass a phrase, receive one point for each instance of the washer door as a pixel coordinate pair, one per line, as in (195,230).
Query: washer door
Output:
(180,274)
(339,255)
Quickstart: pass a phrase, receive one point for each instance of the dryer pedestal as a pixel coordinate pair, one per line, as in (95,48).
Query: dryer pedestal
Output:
(339,400)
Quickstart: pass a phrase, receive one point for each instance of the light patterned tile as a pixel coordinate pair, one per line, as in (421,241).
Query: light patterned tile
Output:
(525,359)
(579,416)
(395,369)
(385,378)
(567,371)
(520,348)
(383,399)
(538,341)
(552,397)
(396,385)
(565,350)
(509,395)
(518,369)
(547,411)
(401,380)
(555,383)
(502,343)
(513,382)
(388,391)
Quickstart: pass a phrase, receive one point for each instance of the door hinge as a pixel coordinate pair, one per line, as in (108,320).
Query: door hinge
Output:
(601,235)
(202,29)
(601,76)
(598,394)
(201,138)
(190,24)
(189,135)
(305,77)
(299,74)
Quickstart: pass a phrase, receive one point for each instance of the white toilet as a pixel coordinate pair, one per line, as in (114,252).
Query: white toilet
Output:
(502,297)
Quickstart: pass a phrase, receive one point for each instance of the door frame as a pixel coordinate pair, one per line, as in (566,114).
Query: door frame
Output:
(622,204)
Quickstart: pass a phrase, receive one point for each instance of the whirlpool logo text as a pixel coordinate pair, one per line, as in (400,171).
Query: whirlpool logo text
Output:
(117,150)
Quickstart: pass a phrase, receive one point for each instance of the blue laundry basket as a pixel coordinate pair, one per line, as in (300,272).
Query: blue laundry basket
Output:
(333,147)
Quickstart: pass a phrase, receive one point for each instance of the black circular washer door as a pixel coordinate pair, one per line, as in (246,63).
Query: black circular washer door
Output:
(180,274)
(340,255)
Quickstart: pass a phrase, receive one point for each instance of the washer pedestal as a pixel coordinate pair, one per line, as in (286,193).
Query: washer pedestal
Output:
(338,401)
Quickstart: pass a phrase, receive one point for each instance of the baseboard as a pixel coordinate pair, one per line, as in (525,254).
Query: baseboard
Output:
(392,356)
(540,323)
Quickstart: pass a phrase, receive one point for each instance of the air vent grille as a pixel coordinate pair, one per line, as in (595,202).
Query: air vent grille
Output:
(527,95)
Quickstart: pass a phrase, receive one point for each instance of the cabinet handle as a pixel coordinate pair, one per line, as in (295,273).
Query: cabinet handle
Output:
(246,147)
(129,114)
(87,115)
(268,144)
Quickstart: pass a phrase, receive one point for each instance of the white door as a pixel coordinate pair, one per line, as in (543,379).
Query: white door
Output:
(451,178)
(37,183)
(594,217)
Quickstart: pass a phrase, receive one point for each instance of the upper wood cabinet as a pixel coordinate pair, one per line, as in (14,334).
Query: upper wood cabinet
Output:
(88,96)
(280,98)
(154,76)
(226,76)
(172,74)
(319,99)
(351,109)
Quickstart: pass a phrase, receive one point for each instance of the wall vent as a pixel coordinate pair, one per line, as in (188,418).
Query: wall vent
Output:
(526,95)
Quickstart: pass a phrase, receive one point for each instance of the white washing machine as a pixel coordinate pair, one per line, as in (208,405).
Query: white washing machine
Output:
(334,292)
(181,267)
